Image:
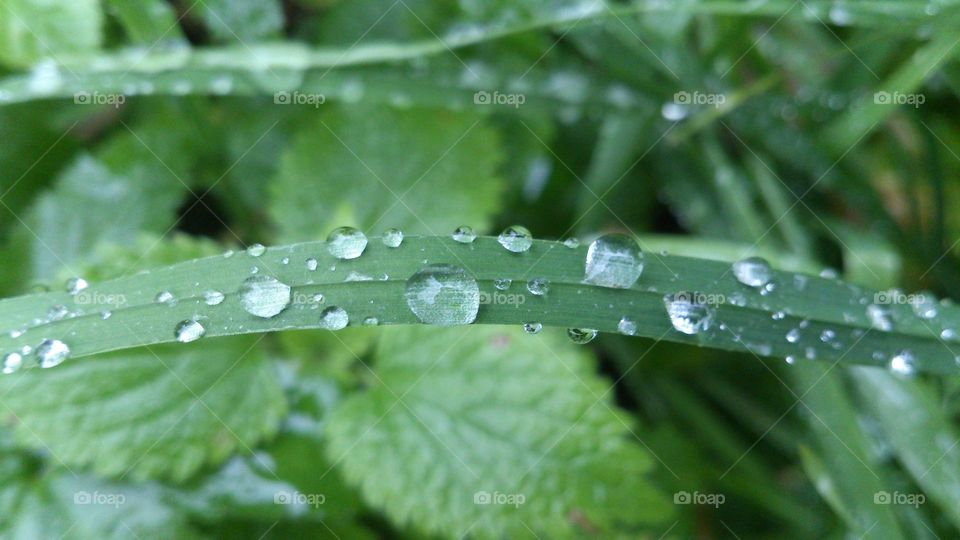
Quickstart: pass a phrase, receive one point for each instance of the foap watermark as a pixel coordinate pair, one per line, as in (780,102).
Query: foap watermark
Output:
(503,499)
(498,298)
(700,298)
(99,498)
(699,98)
(898,297)
(898,98)
(98,98)
(907,499)
(299,499)
(88,298)
(483,97)
(706,499)
(299,98)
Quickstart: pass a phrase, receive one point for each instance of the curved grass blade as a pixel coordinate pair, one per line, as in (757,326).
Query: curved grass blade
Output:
(373,286)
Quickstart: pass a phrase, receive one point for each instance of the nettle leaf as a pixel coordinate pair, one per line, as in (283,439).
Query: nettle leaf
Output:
(30,30)
(493,433)
(381,167)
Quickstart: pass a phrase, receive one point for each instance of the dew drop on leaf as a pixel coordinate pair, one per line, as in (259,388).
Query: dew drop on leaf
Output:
(688,313)
(57,312)
(264,296)
(793,335)
(538,286)
(334,318)
(627,326)
(443,295)
(346,243)
(502,284)
(532,327)
(464,234)
(903,363)
(880,318)
(76,284)
(924,305)
(311,264)
(187,331)
(52,352)
(256,250)
(371,321)
(613,260)
(166,298)
(392,238)
(753,272)
(581,336)
(571,243)
(12,362)
(516,239)
(212,298)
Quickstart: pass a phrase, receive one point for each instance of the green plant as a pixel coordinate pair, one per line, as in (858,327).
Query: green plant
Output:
(203,385)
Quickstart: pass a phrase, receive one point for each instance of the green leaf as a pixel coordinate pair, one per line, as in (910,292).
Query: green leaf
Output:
(31,30)
(336,173)
(456,414)
(241,21)
(147,21)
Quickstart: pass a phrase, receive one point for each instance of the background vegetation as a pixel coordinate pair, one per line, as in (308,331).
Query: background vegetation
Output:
(140,133)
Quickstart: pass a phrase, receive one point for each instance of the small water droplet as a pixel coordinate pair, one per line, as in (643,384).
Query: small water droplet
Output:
(880,318)
(443,295)
(15,333)
(903,363)
(227,254)
(264,296)
(581,336)
(334,318)
(311,264)
(76,284)
(688,313)
(285,261)
(319,298)
(924,305)
(57,312)
(212,298)
(464,234)
(516,238)
(256,250)
(793,335)
(753,272)
(346,243)
(12,362)
(106,314)
(613,260)
(187,331)
(392,238)
(532,327)
(52,352)
(371,321)
(538,286)
(502,284)
(778,316)
(166,298)
(791,359)
(827,335)
(948,334)
(829,273)
(627,326)
(572,243)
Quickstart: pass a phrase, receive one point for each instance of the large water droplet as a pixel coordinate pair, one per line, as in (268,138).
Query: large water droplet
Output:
(392,238)
(264,296)
(464,234)
(52,352)
(334,318)
(187,331)
(688,313)
(346,243)
(627,326)
(581,336)
(516,238)
(256,250)
(212,298)
(613,260)
(12,362)
(76,284)
(538,286)
(443,295)
(753,272)
(903,363)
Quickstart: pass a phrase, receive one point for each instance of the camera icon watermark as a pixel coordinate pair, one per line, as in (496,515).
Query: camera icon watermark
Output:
(699,98)
(299,98)
(706,499)
(299,499)
(907,499)
(496,498)
(115,500)
(483,97)
(899,98)
(98,98)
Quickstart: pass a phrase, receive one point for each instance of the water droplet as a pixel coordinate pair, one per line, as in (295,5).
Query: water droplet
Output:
(76,284)
(311,264)
(827,335)
(778,316)
(392,238)
(791,360)
(516,238)
(106,314)
(688,313)
(443,295)
(538,286)
(371,321)
(753,272)
(464,234)
(948,334)
(571,243)
(880,318)
(12,362)
(581,336)
(334,318)
(627,326)
(15,333)
(264,296)
(793,335)
(166,298)
(346,243)
(613,260)
(256,250)
(502,284)
(903,363)
(187,331)
(829,273)
(532,327)
(212,298)
(319,298)
(57,312)
(227,254)
(52,352)
(924,305)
